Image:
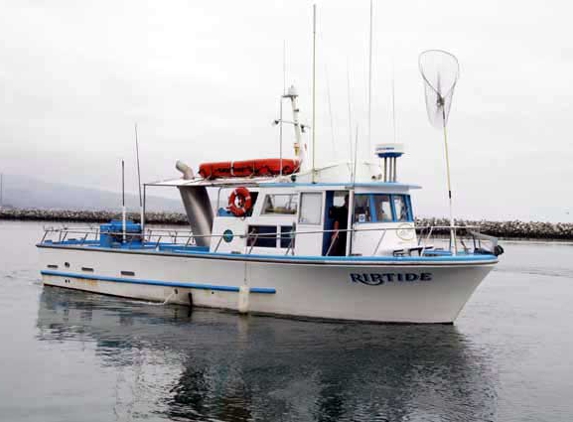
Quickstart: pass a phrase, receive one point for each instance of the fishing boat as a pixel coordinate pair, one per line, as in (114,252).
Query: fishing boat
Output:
(286,238)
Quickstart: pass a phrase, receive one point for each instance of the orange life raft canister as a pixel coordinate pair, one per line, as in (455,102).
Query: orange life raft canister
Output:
(265,167)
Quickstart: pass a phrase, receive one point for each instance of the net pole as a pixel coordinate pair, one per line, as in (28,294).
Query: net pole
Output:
(452,227)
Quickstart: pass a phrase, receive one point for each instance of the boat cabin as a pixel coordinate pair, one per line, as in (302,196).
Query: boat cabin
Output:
(316,220)
(277,207)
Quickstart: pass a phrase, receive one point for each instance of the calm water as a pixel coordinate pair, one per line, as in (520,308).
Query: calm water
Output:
(71,356)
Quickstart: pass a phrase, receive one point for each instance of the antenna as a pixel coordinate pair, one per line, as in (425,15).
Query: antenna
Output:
(349,109)
(281,136)
(370,77)
(123,213)
(284,68)
(313,92)
(139,178)
(440,71)
(393,104)
(355,157)
(330,111)
(281,111)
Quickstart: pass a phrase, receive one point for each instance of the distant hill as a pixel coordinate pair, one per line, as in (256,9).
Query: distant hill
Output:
(27,192)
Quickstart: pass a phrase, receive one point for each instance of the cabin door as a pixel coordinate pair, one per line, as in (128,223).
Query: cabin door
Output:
(335,223)
(310,224)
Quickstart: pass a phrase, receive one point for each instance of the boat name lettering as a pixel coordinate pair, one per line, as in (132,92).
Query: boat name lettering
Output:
(376,279)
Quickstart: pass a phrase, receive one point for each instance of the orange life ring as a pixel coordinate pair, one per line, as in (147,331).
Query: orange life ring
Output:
(245,200)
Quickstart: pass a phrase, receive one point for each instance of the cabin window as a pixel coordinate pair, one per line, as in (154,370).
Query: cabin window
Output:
(401,208)
(310,208)
(286,236)
(280,204)
(262,236)
(382,208)
(254,197)
(362,212)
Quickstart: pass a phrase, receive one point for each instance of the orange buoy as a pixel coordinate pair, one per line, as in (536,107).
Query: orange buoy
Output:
(240,201)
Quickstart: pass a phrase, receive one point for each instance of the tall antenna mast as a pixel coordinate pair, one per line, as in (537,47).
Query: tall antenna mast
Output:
(330,111)
(370,77)
(349,109)
(440,71)
(281,110)
(141,216)
(313,92)
(123,211)
(355,157)
(284,68)
(393,104)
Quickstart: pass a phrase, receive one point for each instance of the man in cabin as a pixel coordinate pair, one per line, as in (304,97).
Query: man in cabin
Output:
(338,238)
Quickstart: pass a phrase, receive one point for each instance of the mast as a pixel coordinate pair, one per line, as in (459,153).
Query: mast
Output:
(313,92)
(142,216)
(370,78)
(393,104)
(281,110)
(299,149)
(349,109)
(123,211)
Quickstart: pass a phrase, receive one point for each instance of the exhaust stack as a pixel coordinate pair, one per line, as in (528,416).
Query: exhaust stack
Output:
(197,206)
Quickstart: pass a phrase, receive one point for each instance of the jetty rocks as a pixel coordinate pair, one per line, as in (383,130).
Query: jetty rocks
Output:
(168,218)
(509,229)
(504,229)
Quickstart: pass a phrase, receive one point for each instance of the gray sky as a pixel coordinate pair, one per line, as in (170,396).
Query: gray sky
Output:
(202,79)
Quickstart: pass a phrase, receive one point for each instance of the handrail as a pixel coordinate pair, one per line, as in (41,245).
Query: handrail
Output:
(185,238)
(426,241)
(379,243)
(178,235)
(254,241)
(332,242)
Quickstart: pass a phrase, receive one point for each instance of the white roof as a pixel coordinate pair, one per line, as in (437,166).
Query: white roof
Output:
(336,175)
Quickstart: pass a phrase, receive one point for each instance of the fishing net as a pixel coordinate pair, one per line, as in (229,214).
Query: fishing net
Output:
(440,71)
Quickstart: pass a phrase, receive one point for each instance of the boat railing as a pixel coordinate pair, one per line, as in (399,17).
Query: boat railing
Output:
(468,239)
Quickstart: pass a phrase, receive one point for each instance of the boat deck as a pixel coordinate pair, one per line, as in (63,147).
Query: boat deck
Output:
(182,243)
(433,256)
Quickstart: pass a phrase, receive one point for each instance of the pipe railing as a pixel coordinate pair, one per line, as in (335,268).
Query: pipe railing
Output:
(186,239)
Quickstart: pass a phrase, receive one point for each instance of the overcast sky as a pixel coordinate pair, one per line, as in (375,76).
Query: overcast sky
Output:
(203,79)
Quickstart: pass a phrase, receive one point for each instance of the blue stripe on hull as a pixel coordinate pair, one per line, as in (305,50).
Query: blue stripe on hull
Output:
(264,290)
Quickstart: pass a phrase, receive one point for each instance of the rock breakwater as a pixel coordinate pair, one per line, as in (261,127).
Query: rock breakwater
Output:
(89,216)
(514,229)
(505,229)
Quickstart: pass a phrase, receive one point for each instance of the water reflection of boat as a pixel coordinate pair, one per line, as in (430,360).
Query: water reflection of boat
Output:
(215,366)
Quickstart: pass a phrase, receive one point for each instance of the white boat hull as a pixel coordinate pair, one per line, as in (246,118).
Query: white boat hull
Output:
(400,291)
